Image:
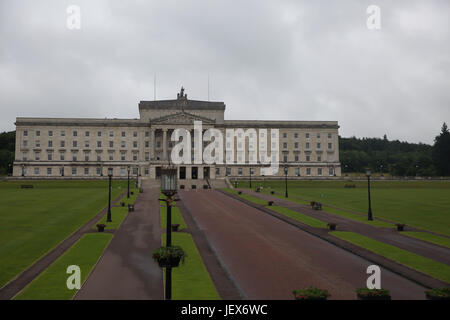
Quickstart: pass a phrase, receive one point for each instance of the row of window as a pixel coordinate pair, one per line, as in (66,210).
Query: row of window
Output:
(86,133)
(62,156)
(308,146)
(62,144)
(319,171)
(87,171)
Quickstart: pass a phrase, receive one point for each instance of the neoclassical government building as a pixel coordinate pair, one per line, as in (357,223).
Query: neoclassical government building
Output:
(93,148)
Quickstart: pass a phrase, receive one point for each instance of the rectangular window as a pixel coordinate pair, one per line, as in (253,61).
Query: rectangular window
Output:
(61,156)
(63,133)
(146,171)
(123,144)
(228,171)
(36,171)
(110,171)
(297,172)
(49,171)
(38,133)
(63,144)
(25,133)
(86,157)
(38,144)
(319,158)
(99,157)
(123,133)
(329,136)
(86,171)
(74,144)
(318,135)
(296,158)
(111,157)
(147,156)
(284,135)
(319,171)
(307,145)
(37,156)
(111,144)
(147,134)
(217,171)
(122,171)
(331,171)
(99,171)
(296,135)
(307,135)
(330,145)
(75,133)
(74,157)
(285,158)
(99,144)
(50,144)
(296,145)
(135,144)
(134,156)
(135,134)
(240,171)
(99,134)
(50,156)
(87,133)
(86,144)
(111,133)
(25,143)
(50,133)
(122,156)
(147,144)
(24,156)
(318,145)
(308,171)
(284,145)
(308,158)
(74,171)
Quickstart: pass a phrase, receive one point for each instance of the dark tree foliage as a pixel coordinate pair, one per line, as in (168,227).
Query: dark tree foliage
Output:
(441,152)
(7,147)
(384,156)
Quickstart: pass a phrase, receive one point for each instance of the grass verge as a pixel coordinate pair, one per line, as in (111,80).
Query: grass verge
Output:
(191,280)
(432,268)
(299,217)
(118,214)
(177,218)
(51,284)
(428,237)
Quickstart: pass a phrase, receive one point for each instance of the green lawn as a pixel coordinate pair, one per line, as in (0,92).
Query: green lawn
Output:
(118,214)
(246,197)
(432,238)
(300,217)
(191,280)
(51,284)
(435,269)
(421,204)
(33,221)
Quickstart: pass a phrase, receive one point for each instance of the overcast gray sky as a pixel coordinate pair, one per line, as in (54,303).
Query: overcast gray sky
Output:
(267,60)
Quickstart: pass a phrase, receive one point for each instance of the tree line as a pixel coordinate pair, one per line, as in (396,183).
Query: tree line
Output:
(397,158)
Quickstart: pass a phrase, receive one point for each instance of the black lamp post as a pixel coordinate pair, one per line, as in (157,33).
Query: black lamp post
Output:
(250,177)
(169,189)
(128,189)
(137,177)
(9,169)
(62,171)
(108,217)
(368,173)
(23,170)
(285,179)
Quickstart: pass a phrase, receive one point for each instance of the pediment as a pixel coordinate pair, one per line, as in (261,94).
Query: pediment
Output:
(181,118)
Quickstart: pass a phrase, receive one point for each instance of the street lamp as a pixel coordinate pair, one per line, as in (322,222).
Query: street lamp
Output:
(368,173)
(9,169)
(128,189)
(108,218)
(62,171)
(285,179)
(250,177)
(137,177)
(169,189)
(23,170)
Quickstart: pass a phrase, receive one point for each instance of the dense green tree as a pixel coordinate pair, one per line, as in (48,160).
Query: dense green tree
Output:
(441,152)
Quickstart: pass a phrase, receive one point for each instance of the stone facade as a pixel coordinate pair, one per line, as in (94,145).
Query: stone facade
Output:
(91,148)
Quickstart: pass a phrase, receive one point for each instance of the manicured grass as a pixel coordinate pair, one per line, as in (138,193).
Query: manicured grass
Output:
(33,221)
(176,216)
(51,284)
(191,280)
(299,216)
(246,197)
(132,198)
(435,269)
(118,214)
(357,217)
(421,204)
(432,238)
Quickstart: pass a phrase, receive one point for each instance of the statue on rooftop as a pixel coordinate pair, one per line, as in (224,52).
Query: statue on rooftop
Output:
(181,95)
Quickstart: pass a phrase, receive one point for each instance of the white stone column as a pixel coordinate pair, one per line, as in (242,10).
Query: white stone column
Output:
(152,144)
(164,144)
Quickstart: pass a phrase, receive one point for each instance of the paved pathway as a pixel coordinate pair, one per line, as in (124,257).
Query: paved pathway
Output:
(269,258)
(126,269)
(386,235)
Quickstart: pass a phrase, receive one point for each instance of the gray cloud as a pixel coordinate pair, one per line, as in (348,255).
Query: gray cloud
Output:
(303,60)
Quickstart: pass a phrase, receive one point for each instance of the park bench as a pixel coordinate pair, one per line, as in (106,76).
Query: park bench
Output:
(316,205)
(26,186)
